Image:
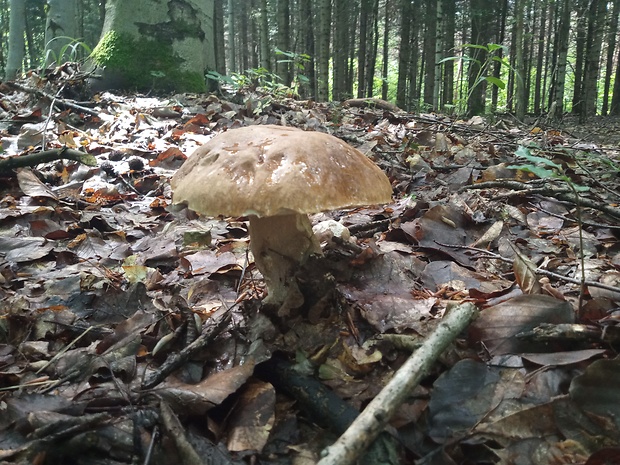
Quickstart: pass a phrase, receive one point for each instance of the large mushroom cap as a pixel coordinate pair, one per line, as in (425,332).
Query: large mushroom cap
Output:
(273,170)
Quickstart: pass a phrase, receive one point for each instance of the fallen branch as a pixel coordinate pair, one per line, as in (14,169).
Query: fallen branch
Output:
(33,159)
(375,417)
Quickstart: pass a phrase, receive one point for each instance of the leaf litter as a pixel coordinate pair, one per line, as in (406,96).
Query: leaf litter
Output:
(130,329)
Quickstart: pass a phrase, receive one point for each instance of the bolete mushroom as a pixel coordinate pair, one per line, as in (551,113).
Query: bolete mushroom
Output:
(276,176)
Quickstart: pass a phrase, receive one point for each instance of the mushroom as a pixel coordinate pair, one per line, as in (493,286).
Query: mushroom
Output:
(276,176)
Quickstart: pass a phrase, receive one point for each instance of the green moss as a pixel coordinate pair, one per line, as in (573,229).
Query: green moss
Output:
(144,65)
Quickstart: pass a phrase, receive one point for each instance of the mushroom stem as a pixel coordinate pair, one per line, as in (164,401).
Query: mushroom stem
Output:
(281,245)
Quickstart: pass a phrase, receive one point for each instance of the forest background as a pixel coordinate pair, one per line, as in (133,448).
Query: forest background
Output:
(463,57)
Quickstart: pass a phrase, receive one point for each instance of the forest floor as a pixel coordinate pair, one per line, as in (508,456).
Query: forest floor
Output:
(132,332)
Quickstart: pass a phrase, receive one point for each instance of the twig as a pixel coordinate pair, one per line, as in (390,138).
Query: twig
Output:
(176,360)
(375,417)
(32,159)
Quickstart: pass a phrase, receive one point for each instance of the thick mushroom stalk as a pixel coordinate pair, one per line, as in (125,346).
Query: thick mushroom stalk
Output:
(281,245)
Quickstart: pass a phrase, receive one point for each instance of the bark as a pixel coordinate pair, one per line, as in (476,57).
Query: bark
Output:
(147,46)
(611,48)
(324,29)
(362,54)
(447,96)
(218,32)
(231,29)
(307,40)
(404,53)
(385,51)
(60,30)
(17,29)
(556,106)
(596,25)
(481,17)
(283,67)
(580,47)
(430,41)
(265,55)
(341,28)
(538,91)
(520,95)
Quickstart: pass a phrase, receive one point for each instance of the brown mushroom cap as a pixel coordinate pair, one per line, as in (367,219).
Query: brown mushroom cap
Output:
(274,170)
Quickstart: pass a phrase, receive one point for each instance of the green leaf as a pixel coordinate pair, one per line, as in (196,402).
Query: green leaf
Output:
(523,152)
(539,171)
(495,81)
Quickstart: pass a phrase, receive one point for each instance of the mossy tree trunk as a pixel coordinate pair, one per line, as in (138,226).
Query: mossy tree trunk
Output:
(158,45)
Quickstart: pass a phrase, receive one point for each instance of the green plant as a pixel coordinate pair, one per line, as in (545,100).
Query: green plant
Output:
(70,51)
(299,61)
(547,169)
(482,76)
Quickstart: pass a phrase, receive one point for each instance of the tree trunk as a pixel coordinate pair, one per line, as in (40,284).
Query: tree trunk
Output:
(556,105)
(385,51)
(580,46)
(244,36)
(430,42)
(146,46)
(371,62)
(365,13)
(481,17)
(324,33)
(307,40)
(520,94)
(340,49)
(611,49)
(17,28)
(283,66)
(232,45)
(497,65)
(60,30)
(404,53)
(540,59)
(447,96)
(596,26)
(265,49)
(218,34)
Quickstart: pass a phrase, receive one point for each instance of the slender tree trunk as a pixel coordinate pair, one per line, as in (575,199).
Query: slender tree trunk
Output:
(520,95)
(340,49)
(255,33)
(362,53)
(385,51)
(596,26)
(307,39)
(283,68)
(542,31)
(232,45)
(244,36)
(218,31)
(430,41)
(556,107)
(611,50)
(481,17)
(265,49)
(438,54)
(371,62)
(17,29)
(404,53)
(324,33)
(447,96)
(580,47)
(497,65)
